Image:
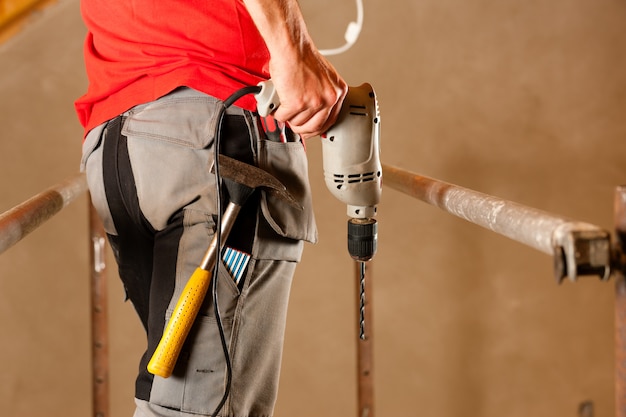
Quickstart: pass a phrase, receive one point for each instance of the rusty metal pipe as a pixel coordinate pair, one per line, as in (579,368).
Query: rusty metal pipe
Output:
(99,317)
(620,301)
(22,219)
(581,247)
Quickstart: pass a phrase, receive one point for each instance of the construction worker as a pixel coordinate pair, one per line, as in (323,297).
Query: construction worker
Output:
(159,72)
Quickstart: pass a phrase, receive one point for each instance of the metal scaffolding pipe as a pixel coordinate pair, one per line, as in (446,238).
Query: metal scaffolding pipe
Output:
(581,248)
(620,301)
(22,219)
(99,317)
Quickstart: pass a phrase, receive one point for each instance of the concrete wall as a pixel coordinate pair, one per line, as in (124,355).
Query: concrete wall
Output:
(522,100)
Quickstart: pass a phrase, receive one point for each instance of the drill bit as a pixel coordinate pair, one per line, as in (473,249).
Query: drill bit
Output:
(362,302)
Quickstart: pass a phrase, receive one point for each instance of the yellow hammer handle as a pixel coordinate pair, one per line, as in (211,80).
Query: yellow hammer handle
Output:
(166,354)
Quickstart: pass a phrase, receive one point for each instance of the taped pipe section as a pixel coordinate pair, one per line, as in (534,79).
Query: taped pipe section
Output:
(579,248)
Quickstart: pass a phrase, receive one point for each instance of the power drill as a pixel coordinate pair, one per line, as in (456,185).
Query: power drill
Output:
(352,170)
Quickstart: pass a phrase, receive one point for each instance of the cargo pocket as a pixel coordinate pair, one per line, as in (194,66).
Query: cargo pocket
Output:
(169,146)
(185,118)
(197,383)
(288,163)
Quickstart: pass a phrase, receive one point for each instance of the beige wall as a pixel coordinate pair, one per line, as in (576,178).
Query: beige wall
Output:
(522,100)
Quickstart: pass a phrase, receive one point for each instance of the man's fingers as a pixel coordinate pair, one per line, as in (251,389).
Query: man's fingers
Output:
(307,124)
(314,118)
(322,121)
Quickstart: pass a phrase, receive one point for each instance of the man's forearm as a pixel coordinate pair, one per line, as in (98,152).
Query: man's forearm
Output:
(309,87)
(282,26)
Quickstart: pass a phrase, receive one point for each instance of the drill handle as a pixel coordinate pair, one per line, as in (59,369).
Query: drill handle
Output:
(267,99)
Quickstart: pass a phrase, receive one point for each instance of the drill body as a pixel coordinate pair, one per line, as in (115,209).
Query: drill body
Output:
(351,161)
(352,170)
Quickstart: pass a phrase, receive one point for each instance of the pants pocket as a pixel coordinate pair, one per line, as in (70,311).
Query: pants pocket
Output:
(288,163)
(199,378)
(184,117)
(170,150)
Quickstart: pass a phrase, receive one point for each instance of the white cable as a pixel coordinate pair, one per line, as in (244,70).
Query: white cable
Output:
(352,32)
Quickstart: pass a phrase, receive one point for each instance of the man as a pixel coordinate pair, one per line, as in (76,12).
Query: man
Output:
(159,72)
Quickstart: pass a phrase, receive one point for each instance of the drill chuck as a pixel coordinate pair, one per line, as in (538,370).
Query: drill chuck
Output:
(362,238)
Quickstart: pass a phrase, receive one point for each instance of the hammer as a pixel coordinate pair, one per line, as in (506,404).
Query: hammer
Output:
(240,179)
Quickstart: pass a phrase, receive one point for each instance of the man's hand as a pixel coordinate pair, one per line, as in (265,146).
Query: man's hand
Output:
(311,93)
(310,89)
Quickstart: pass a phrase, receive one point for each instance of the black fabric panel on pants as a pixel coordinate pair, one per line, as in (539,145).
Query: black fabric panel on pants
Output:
(133,244)
(146,258)
(166,247)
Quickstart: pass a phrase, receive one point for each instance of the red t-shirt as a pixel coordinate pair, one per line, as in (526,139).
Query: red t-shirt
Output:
(139,50)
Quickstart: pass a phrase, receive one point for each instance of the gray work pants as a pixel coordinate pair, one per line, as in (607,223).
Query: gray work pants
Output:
(150,181)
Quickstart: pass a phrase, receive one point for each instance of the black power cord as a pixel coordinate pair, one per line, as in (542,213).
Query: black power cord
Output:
(218,235)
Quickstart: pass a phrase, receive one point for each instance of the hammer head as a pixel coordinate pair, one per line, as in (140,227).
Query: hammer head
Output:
(247,178)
